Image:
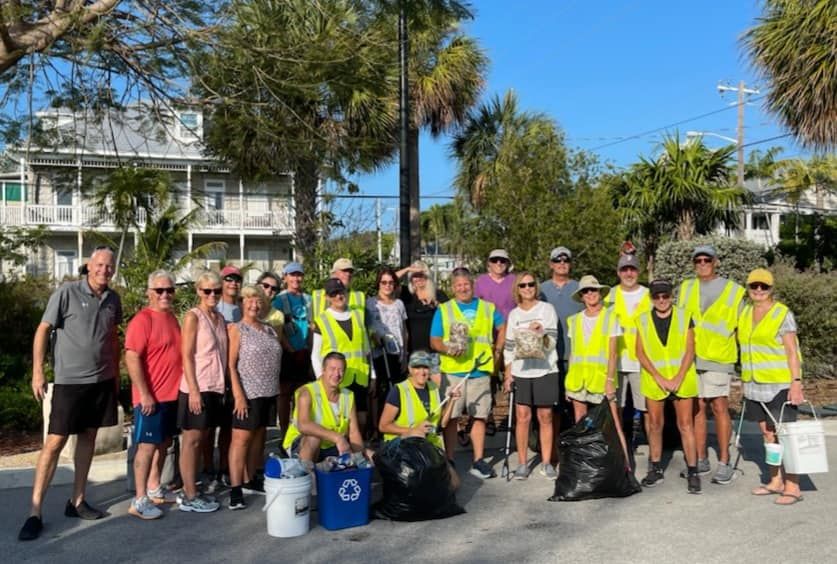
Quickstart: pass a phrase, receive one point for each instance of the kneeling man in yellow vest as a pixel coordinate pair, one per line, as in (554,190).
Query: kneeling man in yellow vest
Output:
(324,419)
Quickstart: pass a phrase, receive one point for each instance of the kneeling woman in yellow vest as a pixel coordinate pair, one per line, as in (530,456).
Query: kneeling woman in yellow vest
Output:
(413,409)
(324,419)
(665,348)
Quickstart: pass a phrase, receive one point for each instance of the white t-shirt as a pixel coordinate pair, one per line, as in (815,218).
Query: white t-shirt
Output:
(589,323)
(544,314)
(632,298)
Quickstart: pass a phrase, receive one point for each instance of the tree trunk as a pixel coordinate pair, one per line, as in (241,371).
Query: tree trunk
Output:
(415,199)
(686,226)
(306,181)
(119,253)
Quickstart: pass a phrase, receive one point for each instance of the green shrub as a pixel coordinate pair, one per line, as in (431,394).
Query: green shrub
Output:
(18,409)
(737,258)
(22,303)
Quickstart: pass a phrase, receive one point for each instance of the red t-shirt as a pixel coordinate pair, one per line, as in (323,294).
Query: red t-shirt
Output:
(155,337)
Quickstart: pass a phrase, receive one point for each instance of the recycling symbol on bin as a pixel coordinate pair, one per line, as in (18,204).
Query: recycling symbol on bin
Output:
(349,490)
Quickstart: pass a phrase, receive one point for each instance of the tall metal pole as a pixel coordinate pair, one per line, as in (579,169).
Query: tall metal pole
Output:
(740,135)
(404,159)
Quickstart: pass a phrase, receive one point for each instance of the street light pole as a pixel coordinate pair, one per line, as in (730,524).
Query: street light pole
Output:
(742,92)
(404,118)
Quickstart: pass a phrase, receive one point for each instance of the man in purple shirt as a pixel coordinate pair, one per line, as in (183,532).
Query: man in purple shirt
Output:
(496,285)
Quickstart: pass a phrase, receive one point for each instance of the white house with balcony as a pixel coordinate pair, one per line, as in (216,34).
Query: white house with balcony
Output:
(47,187)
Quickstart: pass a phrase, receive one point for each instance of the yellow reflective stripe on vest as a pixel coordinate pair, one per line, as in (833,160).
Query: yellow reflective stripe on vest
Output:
(714,328)
(763,359)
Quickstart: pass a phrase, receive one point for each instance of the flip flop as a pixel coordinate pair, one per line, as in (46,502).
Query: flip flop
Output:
(796,499)
(764,490)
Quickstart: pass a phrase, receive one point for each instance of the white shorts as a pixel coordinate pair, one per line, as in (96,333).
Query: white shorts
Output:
(632,379)
(712,384)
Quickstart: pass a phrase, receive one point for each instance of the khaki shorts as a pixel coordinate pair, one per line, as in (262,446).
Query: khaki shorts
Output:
(587,397)
(475,396)
(632,378)
(713,384)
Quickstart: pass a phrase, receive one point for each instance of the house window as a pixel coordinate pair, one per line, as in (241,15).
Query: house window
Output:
(214,190)
(63,196)
(760,222)
(189,126)
(12,191)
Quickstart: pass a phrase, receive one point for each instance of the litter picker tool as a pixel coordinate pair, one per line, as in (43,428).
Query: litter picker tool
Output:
(505,472)
(738,449)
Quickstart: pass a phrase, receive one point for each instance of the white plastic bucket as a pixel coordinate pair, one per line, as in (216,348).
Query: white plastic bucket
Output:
(287,505)
(773,454)
(804,446)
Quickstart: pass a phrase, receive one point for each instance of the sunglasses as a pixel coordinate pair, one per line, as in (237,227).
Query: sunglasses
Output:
(267,286)
(160,291)
(661,296)
(387,282)
(759,286)
(498,259)
(527,285)
(587,290)
(703,260)
(336,294)
(232,278)
(211,291)
(561,260)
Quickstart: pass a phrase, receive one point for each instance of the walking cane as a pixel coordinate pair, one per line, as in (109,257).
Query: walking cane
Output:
(738,439)
(505,472)
(614,411)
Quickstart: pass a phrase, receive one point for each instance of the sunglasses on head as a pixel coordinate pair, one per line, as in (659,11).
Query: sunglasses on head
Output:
(160,291)
(759,286)
(498,259)
(587,290)
(267,286)
(211,291)
(527,285)
(232,278)
(561,260)
(661,296)
(702,260)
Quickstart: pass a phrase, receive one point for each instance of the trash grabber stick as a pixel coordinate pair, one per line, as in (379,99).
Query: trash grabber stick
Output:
(614,411)
(505,472)
(738,438)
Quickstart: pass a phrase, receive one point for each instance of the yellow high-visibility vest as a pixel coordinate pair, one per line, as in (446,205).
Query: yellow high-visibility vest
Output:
(763,360)
(666,358)
(355,350)
(412,410)
(480,337)
(321,413)
(627,340)
(588,359)
(714,328)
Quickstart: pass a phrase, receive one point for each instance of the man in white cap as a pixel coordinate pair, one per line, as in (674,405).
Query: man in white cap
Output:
(629,299)
(497,284)
(343,270)
(714,304)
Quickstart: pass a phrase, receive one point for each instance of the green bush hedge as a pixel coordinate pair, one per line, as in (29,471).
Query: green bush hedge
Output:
(18,409)
(737,258)
(22,304)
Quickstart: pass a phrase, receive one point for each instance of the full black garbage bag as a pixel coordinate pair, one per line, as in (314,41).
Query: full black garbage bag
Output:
(417,484)
(592,462)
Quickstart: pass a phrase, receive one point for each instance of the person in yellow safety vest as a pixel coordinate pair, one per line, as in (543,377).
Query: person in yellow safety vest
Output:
(629,299)
(474,361)
(343,270)
(324,420)
(339,329)
(714,304)
(594,334)
(665,346)
(771,371)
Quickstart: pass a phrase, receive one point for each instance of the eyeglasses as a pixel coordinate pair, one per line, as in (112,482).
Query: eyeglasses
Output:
(759,286)
(232,278)
(267,286)
(527,285)
(702,260)
(211,291)
(561,260)
(387,282)
(587,290)
(294,274)
(160,291)
(661,296)
(498,259)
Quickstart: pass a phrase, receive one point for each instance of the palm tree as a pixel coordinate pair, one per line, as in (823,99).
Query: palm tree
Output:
(793,47)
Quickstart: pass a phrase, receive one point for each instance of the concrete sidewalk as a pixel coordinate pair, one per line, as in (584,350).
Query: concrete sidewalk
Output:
(505,522)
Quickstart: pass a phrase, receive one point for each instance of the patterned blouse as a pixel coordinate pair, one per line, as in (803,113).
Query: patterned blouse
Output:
(259,359)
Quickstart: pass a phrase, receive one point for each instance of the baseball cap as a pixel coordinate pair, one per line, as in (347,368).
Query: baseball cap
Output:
(421,358)
(499,253)
(660,287)
(707,250)
(760,275)
(627,260)
(292,267)
(333,285)
(342,264)
(558,252)
(230,270)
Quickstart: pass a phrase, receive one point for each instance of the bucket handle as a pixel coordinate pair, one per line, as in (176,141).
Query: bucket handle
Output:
(782,411)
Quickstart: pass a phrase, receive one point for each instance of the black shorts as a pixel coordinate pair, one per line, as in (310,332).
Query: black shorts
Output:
(539,392)
(296,366)
(159,426)
(361,394)
(213,414)
(754,411)
(76,407)
(261,412)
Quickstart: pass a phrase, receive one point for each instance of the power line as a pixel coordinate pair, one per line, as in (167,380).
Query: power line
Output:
(769,139)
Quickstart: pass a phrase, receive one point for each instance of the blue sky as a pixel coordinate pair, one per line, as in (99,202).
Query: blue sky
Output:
(606,70)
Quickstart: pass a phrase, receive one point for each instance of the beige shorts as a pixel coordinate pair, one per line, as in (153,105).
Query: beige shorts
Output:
(587,397)
(713,384)
(633,379)
(475,396)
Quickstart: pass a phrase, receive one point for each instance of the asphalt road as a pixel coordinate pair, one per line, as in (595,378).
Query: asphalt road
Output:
(505,522)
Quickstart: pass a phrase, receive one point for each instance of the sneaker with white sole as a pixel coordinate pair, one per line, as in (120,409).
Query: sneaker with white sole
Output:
(198,505)
(482,470)
(144,509)
(724,474)
(162,495)
(548,471)
(237,501)
(653,478)
(703,468)
(521,473)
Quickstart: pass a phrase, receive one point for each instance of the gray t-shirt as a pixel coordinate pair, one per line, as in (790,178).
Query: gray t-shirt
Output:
(710,291)
(561,298)
(85,324)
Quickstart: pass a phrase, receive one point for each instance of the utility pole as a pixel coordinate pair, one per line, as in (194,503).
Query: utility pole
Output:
(378,228)
(742,94)
(404,118)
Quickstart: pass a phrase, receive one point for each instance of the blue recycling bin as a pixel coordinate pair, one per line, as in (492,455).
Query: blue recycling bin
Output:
(343,498)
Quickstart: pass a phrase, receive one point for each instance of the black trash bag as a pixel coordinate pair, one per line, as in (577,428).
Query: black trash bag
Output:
(592,462)
(417,484)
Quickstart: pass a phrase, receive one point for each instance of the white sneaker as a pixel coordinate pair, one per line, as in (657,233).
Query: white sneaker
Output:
(144,509)
(198,505)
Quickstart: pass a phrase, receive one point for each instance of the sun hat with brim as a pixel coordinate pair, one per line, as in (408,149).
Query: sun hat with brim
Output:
(760,275)
(589,281)
(421,358)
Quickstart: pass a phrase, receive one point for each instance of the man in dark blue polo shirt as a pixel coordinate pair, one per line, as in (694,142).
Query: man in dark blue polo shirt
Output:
(85,315)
